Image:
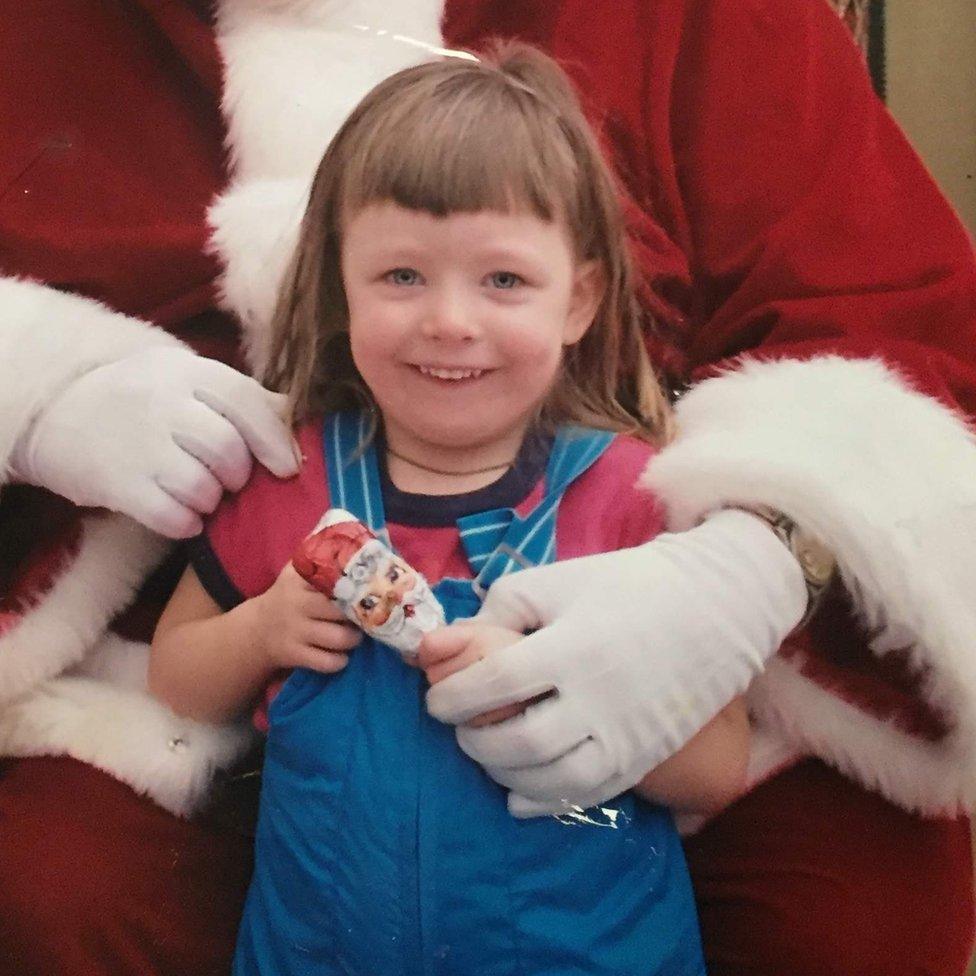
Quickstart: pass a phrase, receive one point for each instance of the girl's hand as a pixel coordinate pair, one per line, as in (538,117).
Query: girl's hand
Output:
(299,627)
(447,650)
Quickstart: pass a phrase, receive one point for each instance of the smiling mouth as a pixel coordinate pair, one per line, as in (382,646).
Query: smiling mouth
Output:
(450,375)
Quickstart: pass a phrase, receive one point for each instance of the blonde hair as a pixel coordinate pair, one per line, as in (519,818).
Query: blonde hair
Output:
(502,133)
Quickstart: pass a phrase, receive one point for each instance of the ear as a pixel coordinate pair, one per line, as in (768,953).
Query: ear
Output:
(589,285)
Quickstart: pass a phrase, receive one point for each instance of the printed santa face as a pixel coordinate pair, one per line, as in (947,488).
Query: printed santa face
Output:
(373,586)
(408,617)
(385,589)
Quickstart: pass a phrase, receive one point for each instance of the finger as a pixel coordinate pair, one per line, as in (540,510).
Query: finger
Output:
(497,715)
(317,606)
(443,643)
(572,777)
(541,734)
(215,442)
(310,601)
(451,665)
(317,659)
(254,413)
(509,604)
(510,675)
(162,513)
(332,636)
(502,714)
(189,482)
(602,794)
(522,808)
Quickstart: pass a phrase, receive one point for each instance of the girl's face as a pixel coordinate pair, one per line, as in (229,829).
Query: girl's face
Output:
(457,323)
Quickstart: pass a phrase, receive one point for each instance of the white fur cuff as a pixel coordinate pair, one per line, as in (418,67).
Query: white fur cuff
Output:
(886,477)
(125,733)
(254,230)
(48,338)
(114,557)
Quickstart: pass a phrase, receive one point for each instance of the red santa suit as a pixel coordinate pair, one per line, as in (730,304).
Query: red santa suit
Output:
(788,221)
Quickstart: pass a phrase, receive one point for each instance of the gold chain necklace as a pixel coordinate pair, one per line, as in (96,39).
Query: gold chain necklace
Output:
(456,474)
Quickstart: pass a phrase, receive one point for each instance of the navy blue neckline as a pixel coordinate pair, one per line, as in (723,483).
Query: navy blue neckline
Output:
(514,486)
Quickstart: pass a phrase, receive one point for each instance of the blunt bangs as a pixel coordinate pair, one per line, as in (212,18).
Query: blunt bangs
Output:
(461,144)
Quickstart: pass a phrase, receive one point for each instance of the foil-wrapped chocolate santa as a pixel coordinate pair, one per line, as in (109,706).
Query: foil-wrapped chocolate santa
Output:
(373,586)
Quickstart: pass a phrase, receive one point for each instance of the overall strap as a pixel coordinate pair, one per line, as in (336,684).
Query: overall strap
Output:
(495,542)
(501,541)
(353,471)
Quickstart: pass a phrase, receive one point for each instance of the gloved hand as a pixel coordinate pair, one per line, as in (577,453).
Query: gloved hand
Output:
(158,436)
(641,648)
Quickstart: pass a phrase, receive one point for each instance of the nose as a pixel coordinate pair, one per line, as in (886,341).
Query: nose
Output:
(450,316)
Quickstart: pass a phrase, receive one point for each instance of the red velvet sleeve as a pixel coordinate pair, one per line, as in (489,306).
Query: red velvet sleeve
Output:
(112,150)
(811,224)
(813,228)
(777,207)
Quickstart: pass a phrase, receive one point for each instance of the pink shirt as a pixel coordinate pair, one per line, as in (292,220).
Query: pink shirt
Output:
(252,535)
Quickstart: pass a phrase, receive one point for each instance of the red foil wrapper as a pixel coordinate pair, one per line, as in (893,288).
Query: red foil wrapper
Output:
(373,587)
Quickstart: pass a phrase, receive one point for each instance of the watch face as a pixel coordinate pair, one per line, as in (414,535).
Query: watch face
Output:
(815,559)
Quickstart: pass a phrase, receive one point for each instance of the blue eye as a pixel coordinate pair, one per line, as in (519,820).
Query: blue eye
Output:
(403,276)
(505,279)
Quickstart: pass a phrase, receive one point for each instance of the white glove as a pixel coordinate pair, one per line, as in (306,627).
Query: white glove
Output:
(157,436)
(641,647)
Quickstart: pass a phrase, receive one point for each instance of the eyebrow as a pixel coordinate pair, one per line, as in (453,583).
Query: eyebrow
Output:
(514,252)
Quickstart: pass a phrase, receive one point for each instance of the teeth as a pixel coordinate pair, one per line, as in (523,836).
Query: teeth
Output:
(450,374)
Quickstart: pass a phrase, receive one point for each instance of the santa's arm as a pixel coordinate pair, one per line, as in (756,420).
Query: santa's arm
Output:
(109,411)
(810,237)
(48,339)
(824,252)
(54,347)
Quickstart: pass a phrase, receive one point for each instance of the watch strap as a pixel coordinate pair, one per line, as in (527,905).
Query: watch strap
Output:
(817,563)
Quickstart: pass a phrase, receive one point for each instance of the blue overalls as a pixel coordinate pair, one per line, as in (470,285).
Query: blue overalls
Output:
(382,850)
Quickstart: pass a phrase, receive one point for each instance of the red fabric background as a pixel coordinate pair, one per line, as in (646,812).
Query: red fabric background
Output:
(777,208)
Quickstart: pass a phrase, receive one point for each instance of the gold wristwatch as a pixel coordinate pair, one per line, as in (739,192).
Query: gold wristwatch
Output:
(816,561)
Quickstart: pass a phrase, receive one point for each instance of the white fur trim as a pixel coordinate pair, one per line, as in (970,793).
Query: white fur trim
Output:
(934,779)
(121,730)
(887,478)
(115,555)
(295,69)
(254,230)
(769,753)
(334,516)
(47,339)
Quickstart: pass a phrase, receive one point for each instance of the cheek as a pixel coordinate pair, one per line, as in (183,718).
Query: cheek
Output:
(371,343)
(403,586)
(535,353)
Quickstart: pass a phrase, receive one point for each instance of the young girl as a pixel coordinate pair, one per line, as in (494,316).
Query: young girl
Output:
(461,346)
